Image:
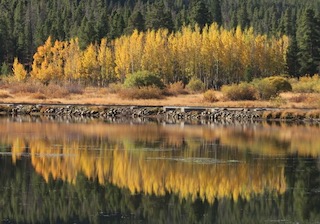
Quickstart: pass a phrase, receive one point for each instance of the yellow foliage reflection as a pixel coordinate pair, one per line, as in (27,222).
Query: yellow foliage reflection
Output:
(155,159)
(157,173)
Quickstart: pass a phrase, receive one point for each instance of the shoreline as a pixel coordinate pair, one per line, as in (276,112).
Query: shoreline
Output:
(179,113)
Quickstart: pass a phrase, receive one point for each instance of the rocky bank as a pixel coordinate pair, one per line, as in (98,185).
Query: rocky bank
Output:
(167,113)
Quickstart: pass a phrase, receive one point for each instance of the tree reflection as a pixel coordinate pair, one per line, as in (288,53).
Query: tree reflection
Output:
(97,172)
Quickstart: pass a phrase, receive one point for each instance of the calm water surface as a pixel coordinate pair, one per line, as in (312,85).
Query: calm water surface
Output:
(92,171)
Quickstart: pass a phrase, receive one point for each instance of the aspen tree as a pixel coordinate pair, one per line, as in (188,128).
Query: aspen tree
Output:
(90,65)
(72,64)
(19,73)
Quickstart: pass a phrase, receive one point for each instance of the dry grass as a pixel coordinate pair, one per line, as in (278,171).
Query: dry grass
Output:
(141,93)
(4,94)
(10,93)
(38,96)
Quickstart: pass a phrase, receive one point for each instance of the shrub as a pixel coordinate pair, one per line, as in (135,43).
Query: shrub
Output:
(74,88)
(280,83)
(306,84)
(142,79)
(55,91)
(242,91)
(302,97)
(270,87)
(210,96)
(147,92)
(28,87)
(115,87)
(265,89)
(4,94)
(176,88)
(195,85)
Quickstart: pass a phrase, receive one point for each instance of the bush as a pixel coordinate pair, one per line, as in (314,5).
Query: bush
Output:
(74,88)
(210,96)
(143,79)
(195,85)
(55,91)
(306,84)
(4,94)
(265,89)
(280,83)
(28,87)
(176,88)
(242,91)
(147,92)
(115,87)
(270,87)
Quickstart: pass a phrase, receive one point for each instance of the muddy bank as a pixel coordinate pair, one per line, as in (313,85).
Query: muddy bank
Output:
(168,113)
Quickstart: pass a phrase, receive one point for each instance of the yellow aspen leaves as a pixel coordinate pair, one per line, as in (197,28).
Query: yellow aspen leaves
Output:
(90,65)
(19,73)
(72,60)
(213,54)
(106,63)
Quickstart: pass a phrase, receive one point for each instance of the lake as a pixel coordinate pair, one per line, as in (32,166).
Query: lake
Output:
(99,171)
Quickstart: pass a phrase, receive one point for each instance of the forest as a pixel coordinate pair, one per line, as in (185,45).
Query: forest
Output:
(216,41)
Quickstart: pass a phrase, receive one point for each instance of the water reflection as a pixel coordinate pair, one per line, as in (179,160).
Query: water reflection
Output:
(144,169)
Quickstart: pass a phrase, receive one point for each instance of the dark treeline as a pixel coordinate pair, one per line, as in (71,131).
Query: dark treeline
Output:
(25,25)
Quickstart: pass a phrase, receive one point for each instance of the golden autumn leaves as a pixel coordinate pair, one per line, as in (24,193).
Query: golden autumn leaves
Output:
(212,54)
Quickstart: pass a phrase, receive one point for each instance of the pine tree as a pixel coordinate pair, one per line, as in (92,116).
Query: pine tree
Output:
(117,25)
(200,14)
(242,16)
(136,22)
(87,33)
(292,62)
(216,12)
(159,17)
(309,43)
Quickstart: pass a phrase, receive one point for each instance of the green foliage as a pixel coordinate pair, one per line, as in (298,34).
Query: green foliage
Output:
(280,83)
(210,96)
(242,91)
(199,14)
(143,79)
(195,85)
(292,58)
(266,91)
(309,43)
(271,86)
(5,69)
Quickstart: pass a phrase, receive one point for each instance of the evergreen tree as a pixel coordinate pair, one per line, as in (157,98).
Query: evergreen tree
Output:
(309,43)
(136,22)
(200,14)
(18,30)
(292,58)
(242,16)
(117,25)
(159,17)
(87,33)
(216,12)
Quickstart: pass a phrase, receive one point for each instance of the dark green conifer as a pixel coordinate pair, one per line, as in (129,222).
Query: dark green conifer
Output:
(159,17)
(309,43)
(200,14)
